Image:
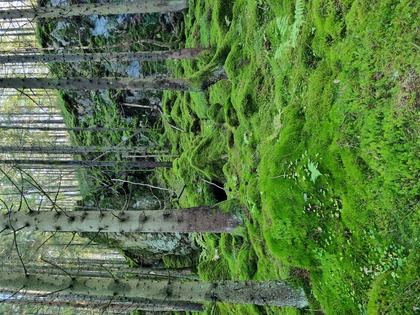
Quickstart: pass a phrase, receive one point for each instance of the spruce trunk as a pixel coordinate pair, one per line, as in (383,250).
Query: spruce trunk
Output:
(267,293)
(110,304)
(109,8)
(186,53)
(43,128)
(76,163)
(122,83)
(59,149)
(199,219)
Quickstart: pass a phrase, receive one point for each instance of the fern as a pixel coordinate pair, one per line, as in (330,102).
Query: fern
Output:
(289,33)
(283,25)
(299,8)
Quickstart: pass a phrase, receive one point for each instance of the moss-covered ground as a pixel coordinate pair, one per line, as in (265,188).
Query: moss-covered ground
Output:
(316,133)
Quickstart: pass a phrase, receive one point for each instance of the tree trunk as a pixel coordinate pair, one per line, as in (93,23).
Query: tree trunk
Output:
(105,304)
(145,84)
(102,271)
(31,121)
(43,128)
(199,219)
(109,8)
(131,164)
(59,149)
(267,293)
(186,53)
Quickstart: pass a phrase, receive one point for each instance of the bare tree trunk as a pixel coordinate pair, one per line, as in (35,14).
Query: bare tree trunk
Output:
(133,164)
(268,293)
(109,8)
(186,53)
(59,149)
(145,84)
(31,121)
(105,304)
(98,270)
(43,128)
(199,219)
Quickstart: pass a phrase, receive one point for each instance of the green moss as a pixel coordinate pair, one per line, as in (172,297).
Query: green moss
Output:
(396,292)
(321,145)
(314,135)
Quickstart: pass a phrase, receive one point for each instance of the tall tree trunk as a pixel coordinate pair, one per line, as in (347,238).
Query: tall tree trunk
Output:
(44,128)
(199,219)
(145,84)
(132,164)
(105,304)
(98,270)
(31,121)
(109,8)
(18,34)
(59,149)
(267,293)
(186,53)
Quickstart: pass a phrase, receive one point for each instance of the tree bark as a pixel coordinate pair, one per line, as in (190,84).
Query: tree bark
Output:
(186,53)
(109,304)
(199,219)
(43,128)
(59,149)
(267,293)
(132,164)
(109,8)
(122,83)
(32,121)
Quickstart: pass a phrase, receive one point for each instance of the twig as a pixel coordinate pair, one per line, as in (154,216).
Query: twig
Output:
(72,238)
(17,249)
(141,184)
(58,267)
(8,298)
(43,243)
(206,181)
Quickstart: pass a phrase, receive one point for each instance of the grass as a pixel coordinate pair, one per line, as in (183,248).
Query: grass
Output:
(316,132)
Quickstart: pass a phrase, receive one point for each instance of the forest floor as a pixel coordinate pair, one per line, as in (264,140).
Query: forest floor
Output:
(316,132)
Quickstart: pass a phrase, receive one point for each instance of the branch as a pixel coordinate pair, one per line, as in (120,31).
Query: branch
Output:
(8,298)
(34,184)
(17,248)
(58,267)
(43,243)
(21,91)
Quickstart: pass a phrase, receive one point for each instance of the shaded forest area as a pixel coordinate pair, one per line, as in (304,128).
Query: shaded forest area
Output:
(245,157)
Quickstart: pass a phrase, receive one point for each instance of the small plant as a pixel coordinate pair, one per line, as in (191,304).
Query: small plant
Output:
(289,33)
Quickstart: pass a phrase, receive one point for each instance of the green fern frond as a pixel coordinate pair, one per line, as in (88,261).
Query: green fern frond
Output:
(283,25)
(299,8)
(281,49)
(290,32)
